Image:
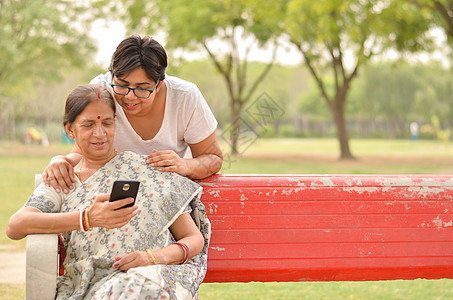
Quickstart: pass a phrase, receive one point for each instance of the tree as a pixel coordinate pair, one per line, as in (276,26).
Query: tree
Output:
(38,39)
(226,30)
(390,90)
(442,16)
(339,36)
(443,13)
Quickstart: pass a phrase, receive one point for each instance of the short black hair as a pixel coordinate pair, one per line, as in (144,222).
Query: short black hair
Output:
(136,51)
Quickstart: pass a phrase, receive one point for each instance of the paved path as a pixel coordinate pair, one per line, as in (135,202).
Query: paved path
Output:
(12,264)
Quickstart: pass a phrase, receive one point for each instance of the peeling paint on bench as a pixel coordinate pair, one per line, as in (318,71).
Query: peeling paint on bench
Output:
(329,227)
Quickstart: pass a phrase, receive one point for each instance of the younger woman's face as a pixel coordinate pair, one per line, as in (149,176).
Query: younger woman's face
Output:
(94,130)
(131,104)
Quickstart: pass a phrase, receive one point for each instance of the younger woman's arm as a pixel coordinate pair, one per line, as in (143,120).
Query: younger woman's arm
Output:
(60,171)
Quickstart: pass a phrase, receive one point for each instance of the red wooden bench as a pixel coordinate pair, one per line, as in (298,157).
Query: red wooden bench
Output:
(329,227)
(323,228)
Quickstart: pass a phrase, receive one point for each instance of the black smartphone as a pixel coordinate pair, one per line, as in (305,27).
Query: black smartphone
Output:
(124,189)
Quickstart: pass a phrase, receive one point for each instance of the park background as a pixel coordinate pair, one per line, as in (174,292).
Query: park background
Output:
(297,87)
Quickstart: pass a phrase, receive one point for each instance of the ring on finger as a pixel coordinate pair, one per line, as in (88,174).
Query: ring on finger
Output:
(171,162)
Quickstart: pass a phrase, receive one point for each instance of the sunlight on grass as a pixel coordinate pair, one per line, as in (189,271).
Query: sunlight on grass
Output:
(320,156)
(385,290)
(359,148)
(12,291)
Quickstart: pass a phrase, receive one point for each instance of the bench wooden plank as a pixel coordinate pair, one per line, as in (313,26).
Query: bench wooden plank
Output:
(329,227)
(342,250)
(327,273)
(332,207)
(290,222)
(378,193)
(347,235)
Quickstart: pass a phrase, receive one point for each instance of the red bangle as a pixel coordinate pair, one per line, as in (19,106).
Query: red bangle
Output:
(186,252)
(82,219)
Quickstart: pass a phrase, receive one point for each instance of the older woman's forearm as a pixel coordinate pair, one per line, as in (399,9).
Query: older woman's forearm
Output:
(22,224)
(175,254)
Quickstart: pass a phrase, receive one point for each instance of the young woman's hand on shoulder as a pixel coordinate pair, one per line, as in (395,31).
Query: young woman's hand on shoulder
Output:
(59,173)
(207,159)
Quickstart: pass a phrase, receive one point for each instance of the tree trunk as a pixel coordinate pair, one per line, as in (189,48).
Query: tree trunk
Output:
(337,109)
(235,125)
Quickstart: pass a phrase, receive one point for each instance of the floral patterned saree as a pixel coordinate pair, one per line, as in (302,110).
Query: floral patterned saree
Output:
(161,199)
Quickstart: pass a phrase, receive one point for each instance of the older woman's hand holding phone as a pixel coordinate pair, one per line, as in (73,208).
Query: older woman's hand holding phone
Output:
(111,214)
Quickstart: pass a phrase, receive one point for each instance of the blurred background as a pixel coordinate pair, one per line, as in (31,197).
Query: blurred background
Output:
(268,69)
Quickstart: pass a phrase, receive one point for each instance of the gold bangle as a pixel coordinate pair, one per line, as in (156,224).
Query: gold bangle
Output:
(152,256)
(86,219)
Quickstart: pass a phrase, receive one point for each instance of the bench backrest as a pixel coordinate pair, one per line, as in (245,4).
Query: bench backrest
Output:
(329,227)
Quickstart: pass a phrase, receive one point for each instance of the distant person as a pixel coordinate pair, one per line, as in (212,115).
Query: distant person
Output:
(414,128)
(33,136)
(161,116)
(150,250)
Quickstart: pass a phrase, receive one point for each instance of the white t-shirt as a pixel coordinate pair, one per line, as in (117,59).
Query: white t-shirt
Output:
(187,120)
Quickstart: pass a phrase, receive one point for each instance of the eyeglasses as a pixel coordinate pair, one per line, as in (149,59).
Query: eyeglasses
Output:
(139,92)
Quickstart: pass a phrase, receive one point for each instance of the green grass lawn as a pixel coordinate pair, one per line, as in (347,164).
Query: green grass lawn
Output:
(374,290)
(19,163)
(320,156)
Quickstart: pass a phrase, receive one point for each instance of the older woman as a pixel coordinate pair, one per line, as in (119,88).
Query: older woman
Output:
(152,249)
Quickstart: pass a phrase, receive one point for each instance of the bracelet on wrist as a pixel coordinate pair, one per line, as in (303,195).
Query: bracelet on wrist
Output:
(186,251)
(151,255)
(81,220)
(87,222)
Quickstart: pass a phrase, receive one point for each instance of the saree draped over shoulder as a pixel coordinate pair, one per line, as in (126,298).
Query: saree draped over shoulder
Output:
(161,199)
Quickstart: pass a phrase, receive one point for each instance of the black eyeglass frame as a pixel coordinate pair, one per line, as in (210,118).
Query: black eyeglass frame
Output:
(133,89)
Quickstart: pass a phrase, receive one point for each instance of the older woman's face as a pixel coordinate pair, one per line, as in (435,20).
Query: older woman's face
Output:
(94,130)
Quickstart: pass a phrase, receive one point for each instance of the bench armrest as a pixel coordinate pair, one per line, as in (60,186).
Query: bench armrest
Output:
(42,264)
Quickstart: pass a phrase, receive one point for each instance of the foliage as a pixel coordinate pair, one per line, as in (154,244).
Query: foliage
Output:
(392,95)
(327,32)
(310,104)
(37,44)
(43,106)
(441,134)
(38,40)
(441,14)
(388,91)
(209,83)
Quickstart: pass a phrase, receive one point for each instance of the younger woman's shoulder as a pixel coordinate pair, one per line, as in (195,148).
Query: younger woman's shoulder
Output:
(177,84)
